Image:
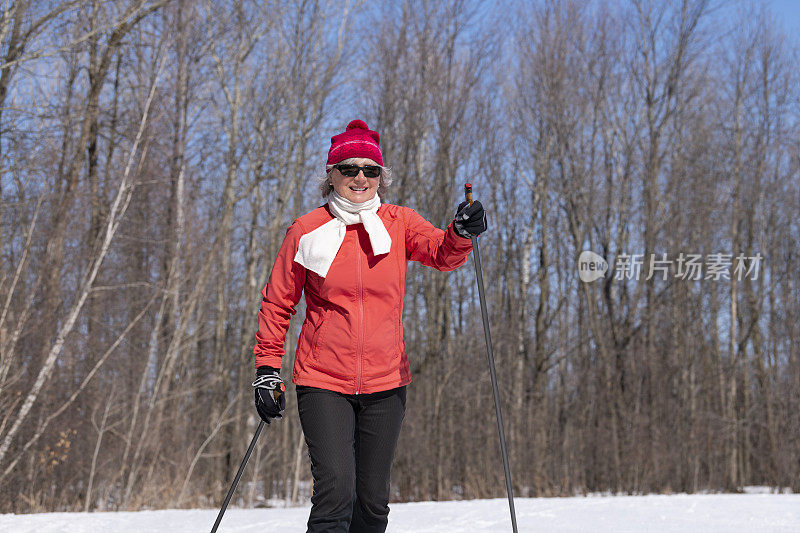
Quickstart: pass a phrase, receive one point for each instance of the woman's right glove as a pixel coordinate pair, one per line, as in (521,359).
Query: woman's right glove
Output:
(470,219)
(270,393)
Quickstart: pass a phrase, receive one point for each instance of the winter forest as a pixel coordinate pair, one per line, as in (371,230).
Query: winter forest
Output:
(153,153)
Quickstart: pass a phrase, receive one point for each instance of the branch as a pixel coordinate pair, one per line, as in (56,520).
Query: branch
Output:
(43,425)
(118,208)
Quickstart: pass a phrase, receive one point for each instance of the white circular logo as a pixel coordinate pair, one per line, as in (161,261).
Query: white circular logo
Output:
(591,266)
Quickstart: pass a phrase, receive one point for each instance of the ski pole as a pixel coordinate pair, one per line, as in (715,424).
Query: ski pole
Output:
(238,475)
(479,274)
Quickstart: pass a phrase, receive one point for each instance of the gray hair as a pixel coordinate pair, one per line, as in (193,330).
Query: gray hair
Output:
(325,187)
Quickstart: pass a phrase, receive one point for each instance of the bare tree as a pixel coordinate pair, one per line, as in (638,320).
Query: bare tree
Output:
(154,152)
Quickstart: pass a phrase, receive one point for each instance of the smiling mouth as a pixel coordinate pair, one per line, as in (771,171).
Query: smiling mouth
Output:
(358,189)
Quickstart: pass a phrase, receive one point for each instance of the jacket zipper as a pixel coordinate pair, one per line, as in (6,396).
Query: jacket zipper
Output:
(360,322)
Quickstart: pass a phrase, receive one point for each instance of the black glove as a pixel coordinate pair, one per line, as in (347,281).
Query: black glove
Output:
(470,219)
(270,393)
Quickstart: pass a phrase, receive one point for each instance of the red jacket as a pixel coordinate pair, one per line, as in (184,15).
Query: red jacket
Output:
(352,338)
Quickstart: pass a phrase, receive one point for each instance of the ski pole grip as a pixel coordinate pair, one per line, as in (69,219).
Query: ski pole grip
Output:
(468,193)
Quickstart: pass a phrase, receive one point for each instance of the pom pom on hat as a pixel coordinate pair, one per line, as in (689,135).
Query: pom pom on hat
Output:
(356,141)
(357,123)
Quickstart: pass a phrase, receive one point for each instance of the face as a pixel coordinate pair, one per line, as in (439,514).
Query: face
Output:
(357,189)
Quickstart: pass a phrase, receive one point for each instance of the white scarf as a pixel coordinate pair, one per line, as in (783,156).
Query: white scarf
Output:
(318,248)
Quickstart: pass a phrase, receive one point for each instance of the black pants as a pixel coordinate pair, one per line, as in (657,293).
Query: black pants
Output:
(351,440)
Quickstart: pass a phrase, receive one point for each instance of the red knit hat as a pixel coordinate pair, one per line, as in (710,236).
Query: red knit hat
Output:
(356,141)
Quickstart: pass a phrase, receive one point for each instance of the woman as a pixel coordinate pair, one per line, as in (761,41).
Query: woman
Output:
(349,257)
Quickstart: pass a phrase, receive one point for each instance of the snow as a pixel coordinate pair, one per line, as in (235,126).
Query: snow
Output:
(753,512)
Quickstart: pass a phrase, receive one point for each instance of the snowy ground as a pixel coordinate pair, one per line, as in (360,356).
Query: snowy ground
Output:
(707,513)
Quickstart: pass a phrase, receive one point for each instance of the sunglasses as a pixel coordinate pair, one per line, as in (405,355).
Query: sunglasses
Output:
(351,171)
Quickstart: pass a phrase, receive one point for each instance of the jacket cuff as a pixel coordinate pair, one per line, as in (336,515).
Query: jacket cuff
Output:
(459,243)
(273,361)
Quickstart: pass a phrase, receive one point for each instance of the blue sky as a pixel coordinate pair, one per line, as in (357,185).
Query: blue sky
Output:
(787,12)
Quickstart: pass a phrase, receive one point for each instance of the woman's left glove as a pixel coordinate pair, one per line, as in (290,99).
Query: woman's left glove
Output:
(270,393)
(470,219)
